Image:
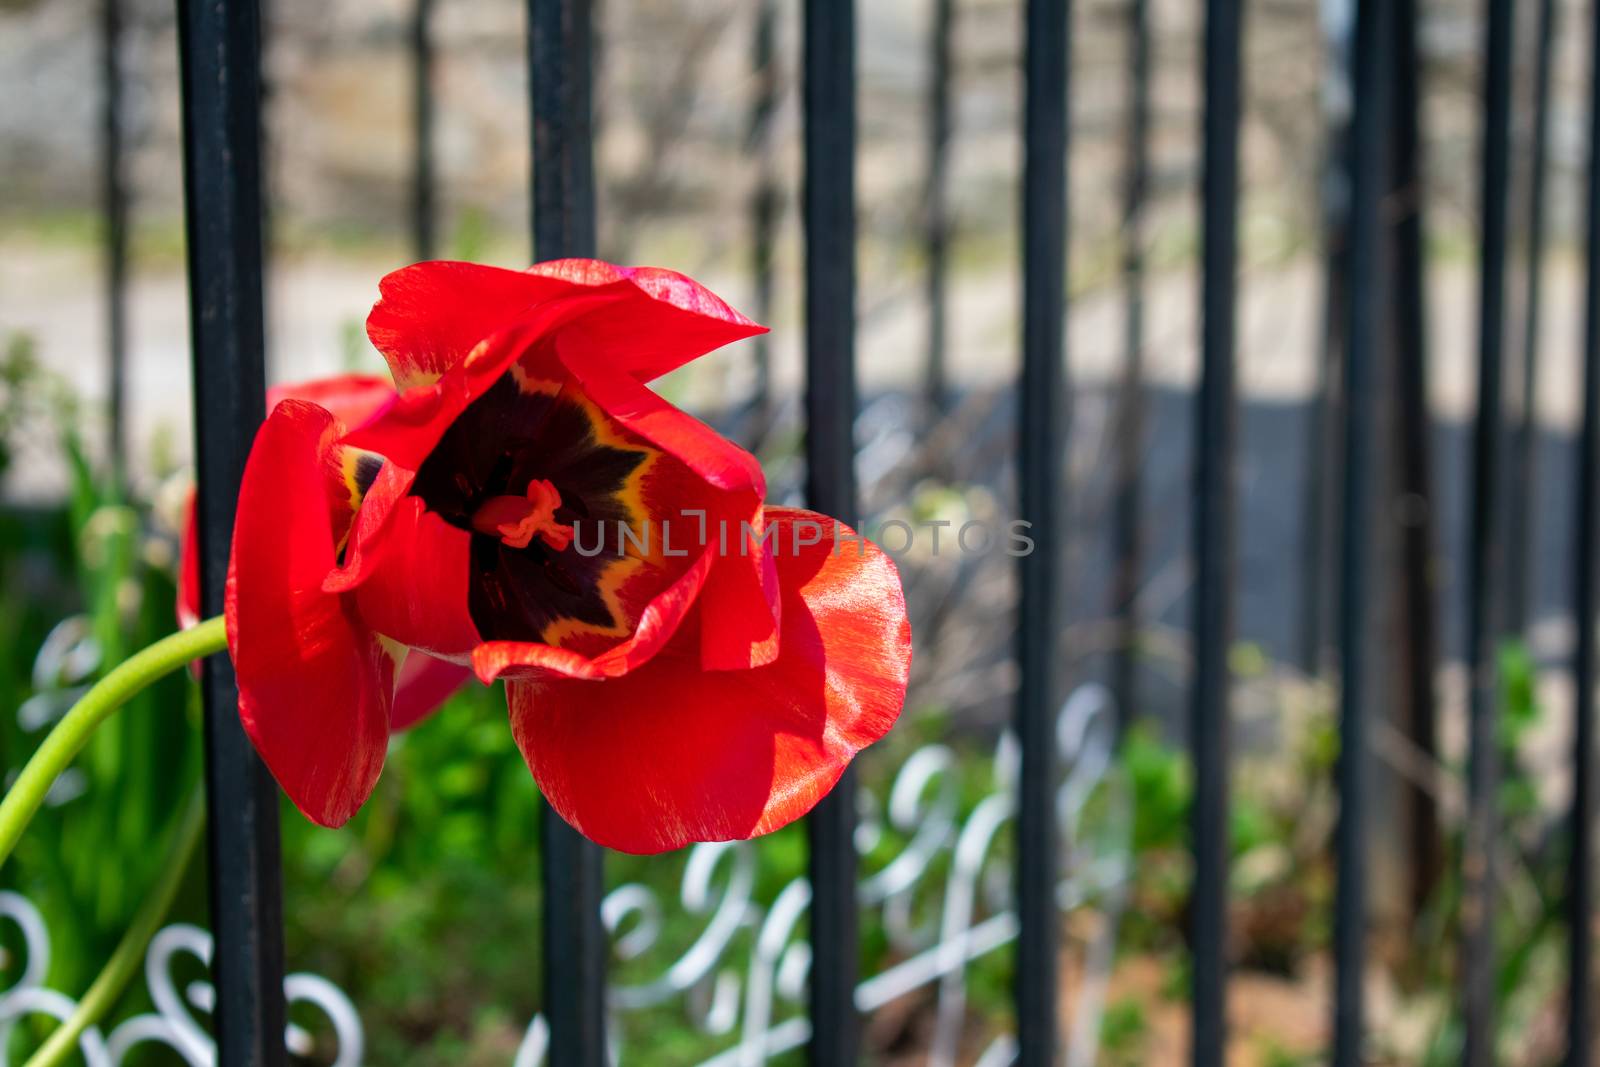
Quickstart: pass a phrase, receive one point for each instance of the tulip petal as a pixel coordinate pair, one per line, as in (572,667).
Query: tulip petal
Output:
(315,683)
(431,315)
(188,607)
(350,398)
(415,592)
(424,683)
(669,753)
(666,320)
(742,594)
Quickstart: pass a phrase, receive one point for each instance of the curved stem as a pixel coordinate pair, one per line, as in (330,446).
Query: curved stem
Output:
(69,735)
(120,968)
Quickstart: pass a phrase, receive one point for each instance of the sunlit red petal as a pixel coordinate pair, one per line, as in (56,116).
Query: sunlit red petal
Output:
(667,320)
(314,683)
(670,754)
(431,315)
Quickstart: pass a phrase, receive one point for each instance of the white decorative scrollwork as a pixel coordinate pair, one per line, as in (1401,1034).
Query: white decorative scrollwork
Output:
(755,994)
(173,1023)
(62,670)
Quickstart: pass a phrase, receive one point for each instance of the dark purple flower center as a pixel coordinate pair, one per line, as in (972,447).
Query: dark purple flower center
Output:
(543,445)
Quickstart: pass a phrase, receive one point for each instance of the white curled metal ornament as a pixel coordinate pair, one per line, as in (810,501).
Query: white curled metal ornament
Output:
(176,1023)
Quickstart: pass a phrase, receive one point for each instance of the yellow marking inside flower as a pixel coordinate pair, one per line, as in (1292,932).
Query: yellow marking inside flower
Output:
(349,462)
(414,375)
(349,473)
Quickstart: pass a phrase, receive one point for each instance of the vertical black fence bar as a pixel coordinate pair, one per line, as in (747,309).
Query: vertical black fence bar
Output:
(1521,522)
(1213,529)
(1580,860)
(936,202)
(114,209)
(219,44)
(1365,287)
(1315,506)
(1419,650)
(765,201)
(560,38)
(828,199)
(1484,552)
(1323,407)
(1042,441)
(267,89)
(422,168)
(1127,512)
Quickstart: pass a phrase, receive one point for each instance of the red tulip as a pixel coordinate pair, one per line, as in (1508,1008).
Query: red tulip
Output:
(683,664)
(424,682)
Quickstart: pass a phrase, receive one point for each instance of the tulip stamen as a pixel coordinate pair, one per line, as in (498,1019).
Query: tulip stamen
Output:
(517,520)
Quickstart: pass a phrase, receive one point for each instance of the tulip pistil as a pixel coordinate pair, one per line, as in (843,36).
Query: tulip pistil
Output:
(517,520)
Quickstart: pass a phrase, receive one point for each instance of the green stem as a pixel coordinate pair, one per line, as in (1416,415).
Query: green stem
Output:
(69,735)
(124,962)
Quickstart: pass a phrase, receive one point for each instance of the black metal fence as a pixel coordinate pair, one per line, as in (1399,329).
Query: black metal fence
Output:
(1376,305)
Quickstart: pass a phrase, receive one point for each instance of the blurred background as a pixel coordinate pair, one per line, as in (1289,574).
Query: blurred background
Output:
(424,909)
